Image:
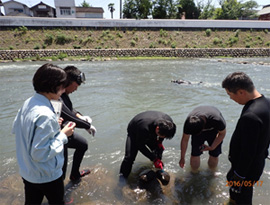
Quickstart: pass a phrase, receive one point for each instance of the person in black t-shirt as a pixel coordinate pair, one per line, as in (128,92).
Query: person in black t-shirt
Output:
(146,132)
(250,140)
(204,123)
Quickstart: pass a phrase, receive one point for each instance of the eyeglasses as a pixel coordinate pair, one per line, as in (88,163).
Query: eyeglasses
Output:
(81,78)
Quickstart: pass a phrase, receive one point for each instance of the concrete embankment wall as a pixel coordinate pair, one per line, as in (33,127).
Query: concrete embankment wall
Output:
(11,21)
(147,52)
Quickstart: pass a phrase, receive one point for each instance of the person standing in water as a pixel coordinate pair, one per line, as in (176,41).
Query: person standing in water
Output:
(74,79)
(204,123)
(39,140)
(250,140)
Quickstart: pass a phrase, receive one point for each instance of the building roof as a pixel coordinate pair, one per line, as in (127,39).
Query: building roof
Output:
(265,10)
(90,9)
(41,3)
(14,2)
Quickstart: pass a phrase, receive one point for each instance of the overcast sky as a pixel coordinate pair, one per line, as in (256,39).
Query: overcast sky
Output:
(104,4)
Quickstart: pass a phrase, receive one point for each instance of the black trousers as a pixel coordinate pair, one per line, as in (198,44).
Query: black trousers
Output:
(131,152)
(53,191)
(245,197)
(80,145)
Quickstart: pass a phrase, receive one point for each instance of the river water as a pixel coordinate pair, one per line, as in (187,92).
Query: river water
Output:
(115,91)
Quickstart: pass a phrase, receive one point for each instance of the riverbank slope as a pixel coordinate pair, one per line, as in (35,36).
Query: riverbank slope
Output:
(22,38)
(153,41)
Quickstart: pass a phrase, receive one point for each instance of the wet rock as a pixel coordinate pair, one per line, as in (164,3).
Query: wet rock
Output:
(180,81)
(12,190)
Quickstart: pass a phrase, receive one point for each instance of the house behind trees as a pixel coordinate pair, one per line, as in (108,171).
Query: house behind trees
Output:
(63,9)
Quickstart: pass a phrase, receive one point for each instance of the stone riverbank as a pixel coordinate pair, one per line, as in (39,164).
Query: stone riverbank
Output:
(11,55)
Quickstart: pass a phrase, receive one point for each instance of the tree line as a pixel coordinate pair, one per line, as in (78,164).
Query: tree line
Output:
(188,9)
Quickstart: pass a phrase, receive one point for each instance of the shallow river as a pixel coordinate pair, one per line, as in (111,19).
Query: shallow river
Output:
(114,92)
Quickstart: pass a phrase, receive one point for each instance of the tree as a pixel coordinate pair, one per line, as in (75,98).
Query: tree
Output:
(129,9)
(171,9)
(159,9)
(248,10)
(85,4)
(144,8)
(188,8)
(139,9)
(111,9)
(230,9)
(207,10)
(163,9)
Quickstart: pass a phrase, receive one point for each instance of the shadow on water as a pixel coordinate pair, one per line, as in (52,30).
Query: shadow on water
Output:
(147,191)
(191,188)
(100,187)
(195,188)
(97,188)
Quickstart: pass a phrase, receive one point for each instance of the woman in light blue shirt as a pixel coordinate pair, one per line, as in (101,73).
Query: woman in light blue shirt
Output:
(39,140)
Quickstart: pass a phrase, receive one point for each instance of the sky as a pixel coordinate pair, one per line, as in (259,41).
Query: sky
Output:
(104,4)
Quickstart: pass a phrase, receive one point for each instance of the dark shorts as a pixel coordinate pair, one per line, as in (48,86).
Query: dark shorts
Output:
(198,140)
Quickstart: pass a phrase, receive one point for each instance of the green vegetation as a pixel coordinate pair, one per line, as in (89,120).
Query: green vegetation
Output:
(62,39)
(88,58)
(190,9)
(37,47)
(48,39)
(232,40)
(208,32)
(23,38)
(22,30)
(163,33)
(146,58)
(61,56)
(133,43)
(217,41)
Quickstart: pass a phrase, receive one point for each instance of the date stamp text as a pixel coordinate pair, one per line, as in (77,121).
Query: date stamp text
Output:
(244,183)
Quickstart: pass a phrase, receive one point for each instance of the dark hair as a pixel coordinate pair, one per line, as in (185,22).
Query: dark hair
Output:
(49,78)
(166,128)
(194,125)
(238,80)
(73,75)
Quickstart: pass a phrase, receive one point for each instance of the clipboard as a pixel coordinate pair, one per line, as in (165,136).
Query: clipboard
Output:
(57,106)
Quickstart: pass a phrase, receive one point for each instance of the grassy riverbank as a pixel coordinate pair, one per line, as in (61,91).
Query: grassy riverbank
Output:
(24,38)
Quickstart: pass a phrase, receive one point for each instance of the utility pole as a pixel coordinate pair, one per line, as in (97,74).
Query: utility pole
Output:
(120,9)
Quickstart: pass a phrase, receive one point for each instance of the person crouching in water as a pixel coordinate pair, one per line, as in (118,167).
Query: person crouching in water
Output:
(146,132)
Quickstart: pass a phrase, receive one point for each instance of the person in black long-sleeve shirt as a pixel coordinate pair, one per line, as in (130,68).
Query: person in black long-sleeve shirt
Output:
(251,137)
(75,77)
(146,132)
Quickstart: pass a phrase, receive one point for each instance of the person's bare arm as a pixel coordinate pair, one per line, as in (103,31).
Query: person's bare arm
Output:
(183,147)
